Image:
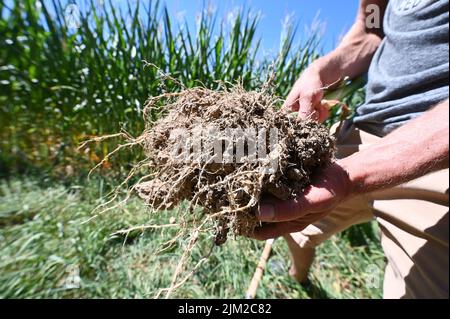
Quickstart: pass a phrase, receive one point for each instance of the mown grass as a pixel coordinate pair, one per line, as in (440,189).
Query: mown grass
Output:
(42,240)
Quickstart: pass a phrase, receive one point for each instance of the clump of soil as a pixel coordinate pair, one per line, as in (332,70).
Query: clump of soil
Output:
(228,191)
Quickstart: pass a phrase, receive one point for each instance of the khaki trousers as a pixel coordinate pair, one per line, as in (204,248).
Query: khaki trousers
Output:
(414,224)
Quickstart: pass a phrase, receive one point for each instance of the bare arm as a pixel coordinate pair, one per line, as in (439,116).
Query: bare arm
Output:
(415,149)
(351,58)
(353,55)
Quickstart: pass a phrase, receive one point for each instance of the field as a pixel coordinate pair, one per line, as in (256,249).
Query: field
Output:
(59,86)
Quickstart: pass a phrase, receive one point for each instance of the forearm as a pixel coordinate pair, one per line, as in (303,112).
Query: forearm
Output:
(353,55)
(413,150)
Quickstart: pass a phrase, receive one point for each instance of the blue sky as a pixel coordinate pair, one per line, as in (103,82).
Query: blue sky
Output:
(335,16)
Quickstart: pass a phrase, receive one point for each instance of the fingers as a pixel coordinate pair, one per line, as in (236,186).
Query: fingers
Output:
(307,105)
(331,187)
(310,105)
(313,199)
(292,101)
(307,108)
(272,210)
(273,230)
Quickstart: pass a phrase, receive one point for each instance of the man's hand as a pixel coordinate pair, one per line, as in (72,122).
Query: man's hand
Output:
(417,148)
(350,59)
(329,189)
(306,95)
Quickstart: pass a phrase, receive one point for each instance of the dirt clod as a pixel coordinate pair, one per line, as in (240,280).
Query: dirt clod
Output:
(228,191)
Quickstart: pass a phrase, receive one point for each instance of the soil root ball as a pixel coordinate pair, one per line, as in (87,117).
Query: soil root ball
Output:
(280,152)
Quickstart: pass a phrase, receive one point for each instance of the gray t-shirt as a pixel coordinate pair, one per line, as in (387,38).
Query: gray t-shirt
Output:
(409,73)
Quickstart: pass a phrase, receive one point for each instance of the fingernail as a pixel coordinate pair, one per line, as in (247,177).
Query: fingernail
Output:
(266,212)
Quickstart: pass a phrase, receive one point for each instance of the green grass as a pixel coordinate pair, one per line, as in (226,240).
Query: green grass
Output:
(42,238)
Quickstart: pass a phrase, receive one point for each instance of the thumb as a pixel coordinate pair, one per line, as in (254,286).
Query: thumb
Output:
(272,210)
(331,186)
